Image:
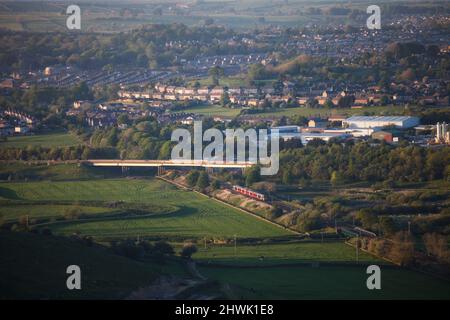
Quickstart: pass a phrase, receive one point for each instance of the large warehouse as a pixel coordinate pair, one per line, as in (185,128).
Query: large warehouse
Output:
(365,122)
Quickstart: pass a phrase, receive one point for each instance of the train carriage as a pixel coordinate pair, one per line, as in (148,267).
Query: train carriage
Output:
(249,193)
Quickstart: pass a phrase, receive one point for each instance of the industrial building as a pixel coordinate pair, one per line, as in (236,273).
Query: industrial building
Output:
(354,132)
(442,133)
(366,122)
(305,137)
(287,129)
(383,136)
(317,123)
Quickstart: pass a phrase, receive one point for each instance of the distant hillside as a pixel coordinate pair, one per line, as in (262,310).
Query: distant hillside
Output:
(34,266)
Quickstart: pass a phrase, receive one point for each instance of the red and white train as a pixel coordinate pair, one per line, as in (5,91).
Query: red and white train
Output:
(249,193)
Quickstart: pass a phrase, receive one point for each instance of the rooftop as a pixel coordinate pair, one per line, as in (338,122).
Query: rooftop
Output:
(380,118)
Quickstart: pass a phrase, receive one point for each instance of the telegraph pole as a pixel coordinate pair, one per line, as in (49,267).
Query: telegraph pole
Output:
(235,246)
(357,243)
(335,225)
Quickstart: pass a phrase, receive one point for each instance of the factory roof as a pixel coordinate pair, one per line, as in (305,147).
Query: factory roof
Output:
(311,134)
(379,118)
(284,127)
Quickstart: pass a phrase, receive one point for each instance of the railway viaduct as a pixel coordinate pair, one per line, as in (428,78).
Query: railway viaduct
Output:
(161,164)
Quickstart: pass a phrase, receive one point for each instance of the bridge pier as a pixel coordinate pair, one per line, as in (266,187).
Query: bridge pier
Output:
(160,170)
(124,170)
(209,170)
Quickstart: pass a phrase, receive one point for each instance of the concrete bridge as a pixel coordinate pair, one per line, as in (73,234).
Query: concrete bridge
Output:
(161,164)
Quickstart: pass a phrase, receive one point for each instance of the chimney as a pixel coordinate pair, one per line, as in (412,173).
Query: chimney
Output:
(438,132)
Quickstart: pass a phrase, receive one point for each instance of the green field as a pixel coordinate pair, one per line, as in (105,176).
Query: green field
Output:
(181,213)
(42,17)
(13,211)
(53,172)
(213,110)
(323,112)
(34,267)
(41,140)
(326,282)
(234,81)
(283,253)
(155,209)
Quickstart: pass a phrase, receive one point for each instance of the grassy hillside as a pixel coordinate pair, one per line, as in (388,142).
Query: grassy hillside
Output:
(34,267)
(326,282)
(181,214)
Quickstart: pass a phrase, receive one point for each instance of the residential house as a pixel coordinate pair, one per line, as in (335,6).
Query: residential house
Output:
(235,91)
(8,84)
(170,89)
(317,123)
(161,88)
(361,101)
(203,91)
(6,129)
(21,129)
(201,97)
(302,100)
(158,96)
(215,97)
(250,91)
(189,91)
(253,102)
(179,90)
(171,97)
(82,104)
(217,91)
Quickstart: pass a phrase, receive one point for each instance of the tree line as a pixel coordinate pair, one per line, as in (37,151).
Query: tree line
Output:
(363,162)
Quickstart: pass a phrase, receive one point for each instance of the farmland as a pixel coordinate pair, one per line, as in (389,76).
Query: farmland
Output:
(151,208)
(11,212)
(214,110)
(42,140)
(326,282)
(323,112)
(59,172)
(30,16)
(171,212)
(93,95)
(286,253)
